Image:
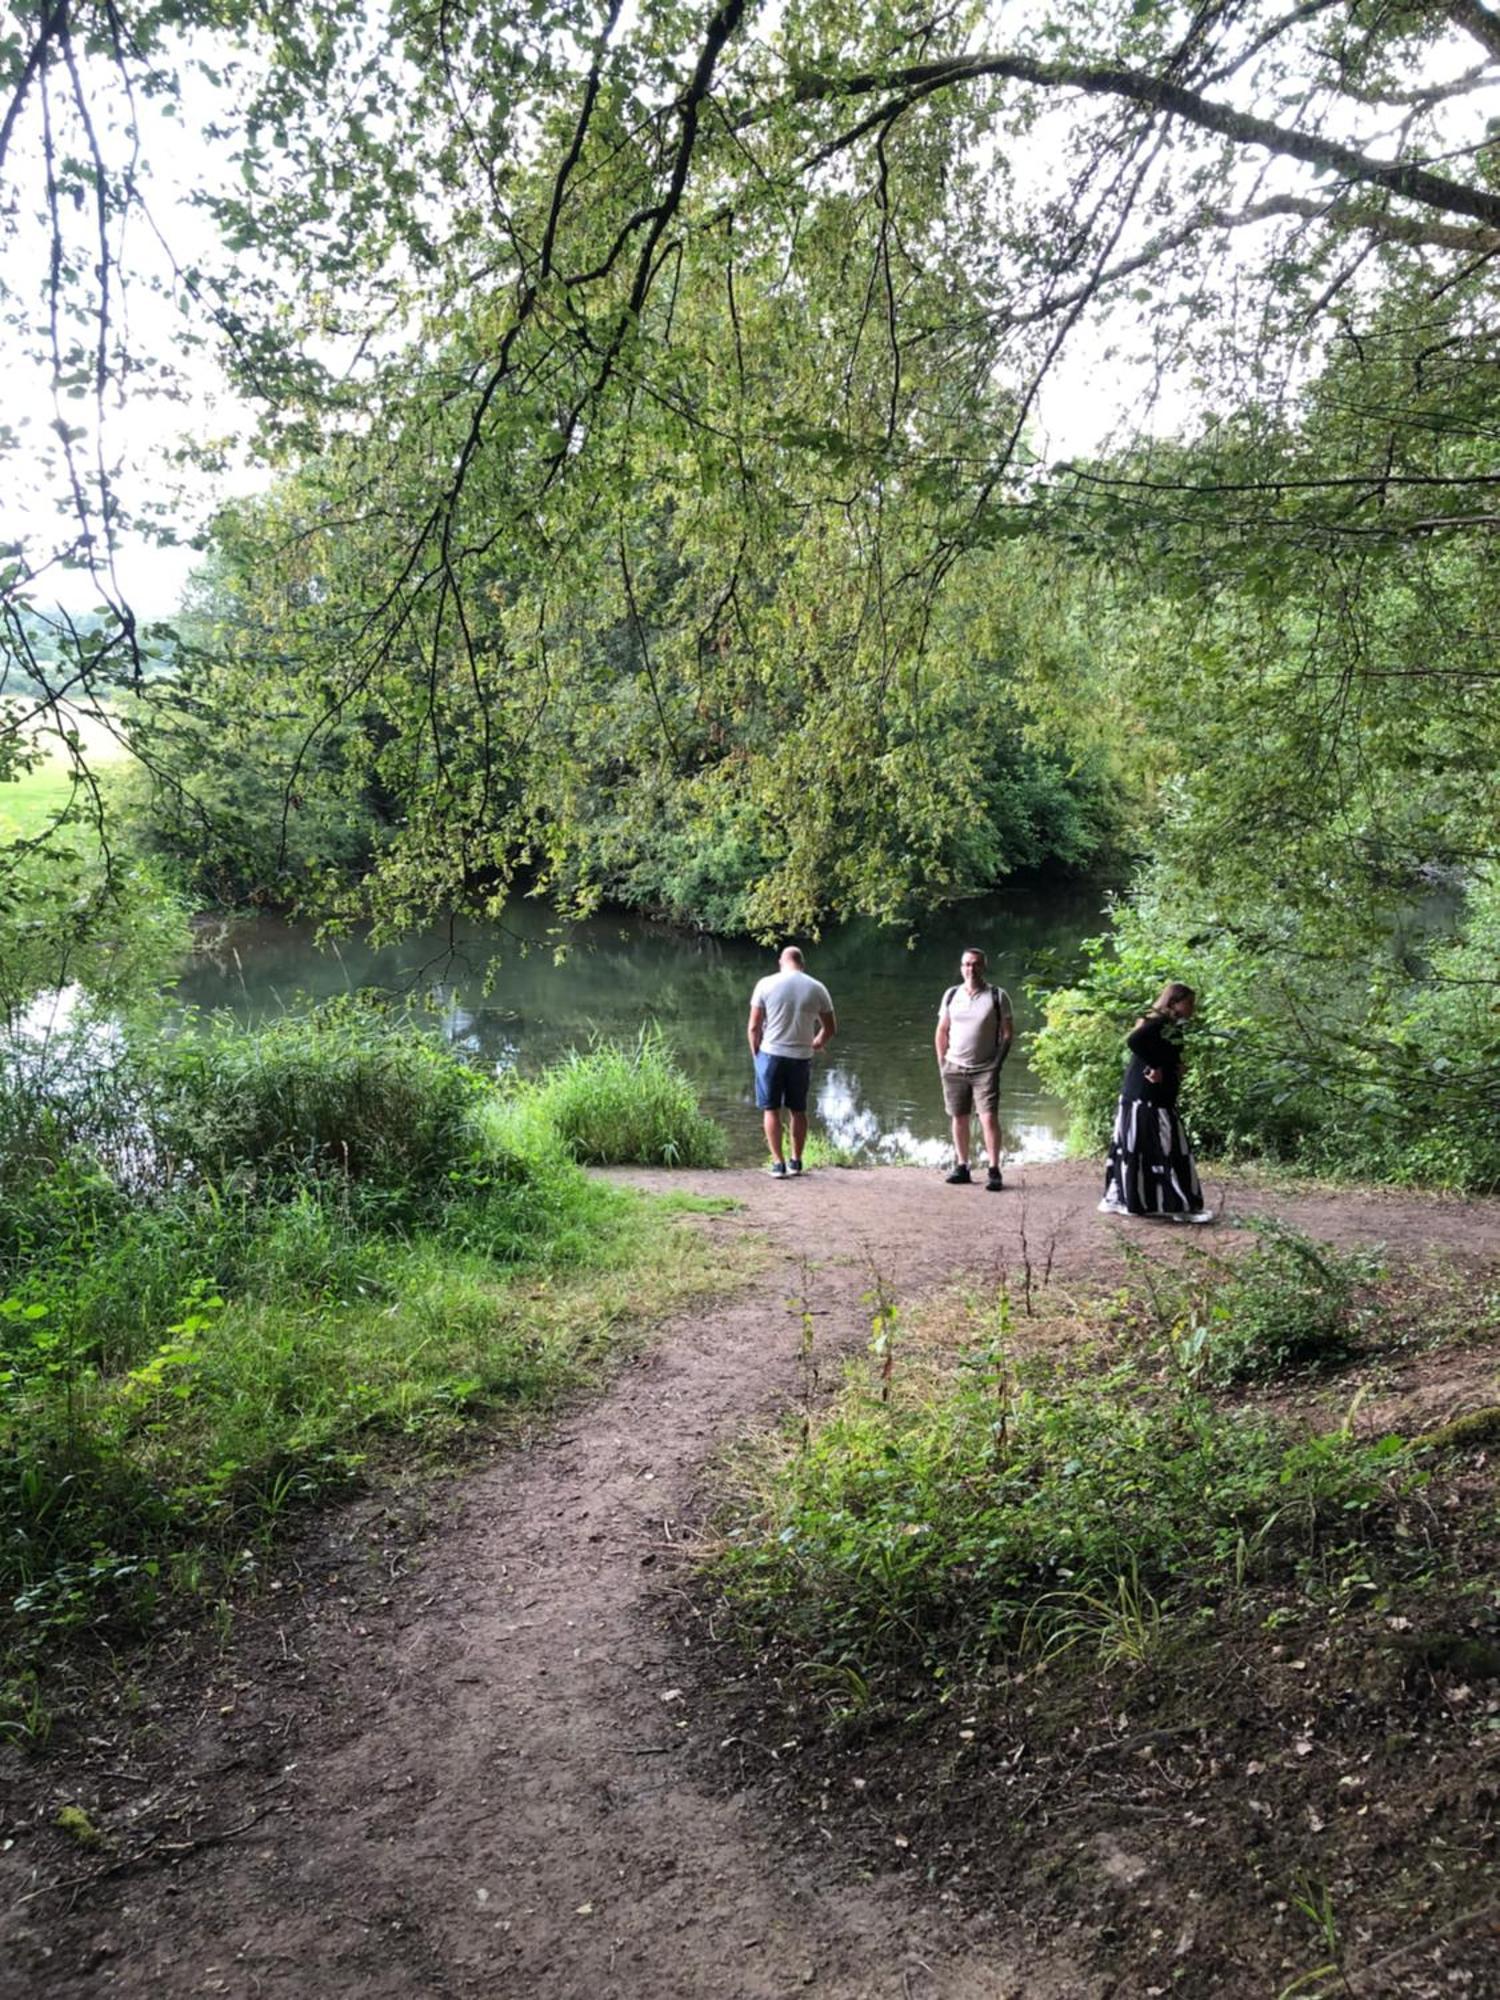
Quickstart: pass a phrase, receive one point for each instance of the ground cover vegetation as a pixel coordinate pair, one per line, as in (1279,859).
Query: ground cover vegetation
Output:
(1129,1612)
(237,1267)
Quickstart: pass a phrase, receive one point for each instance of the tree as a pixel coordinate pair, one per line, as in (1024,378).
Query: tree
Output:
(525,276)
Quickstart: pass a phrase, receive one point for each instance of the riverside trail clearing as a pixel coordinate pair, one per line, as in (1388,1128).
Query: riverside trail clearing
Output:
(461,1745)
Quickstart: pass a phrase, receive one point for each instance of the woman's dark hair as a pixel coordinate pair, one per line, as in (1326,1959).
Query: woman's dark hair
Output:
(1170,994)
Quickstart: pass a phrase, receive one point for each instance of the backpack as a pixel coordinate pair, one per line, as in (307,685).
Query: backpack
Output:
(1002,1047)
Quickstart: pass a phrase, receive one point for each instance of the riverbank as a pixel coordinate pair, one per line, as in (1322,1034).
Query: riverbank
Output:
(559,986)
(467,1736)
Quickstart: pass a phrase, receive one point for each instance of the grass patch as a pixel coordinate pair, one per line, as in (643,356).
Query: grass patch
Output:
(677,1202)
(821,1152)
(236,1267)
(41,796)
(613,1103)
(942,1524)
(1046,1628)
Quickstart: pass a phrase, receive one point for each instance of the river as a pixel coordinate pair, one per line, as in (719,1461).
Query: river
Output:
(876,1093)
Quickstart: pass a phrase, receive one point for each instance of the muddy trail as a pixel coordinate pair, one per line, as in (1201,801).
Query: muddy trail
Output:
(457,1748)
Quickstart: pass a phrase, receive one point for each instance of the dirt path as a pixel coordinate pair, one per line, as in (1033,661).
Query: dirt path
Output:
(478,1777)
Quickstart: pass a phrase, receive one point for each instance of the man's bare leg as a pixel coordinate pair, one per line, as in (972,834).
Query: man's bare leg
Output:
(799,1134)
(989,1122)
(961,1139)
(772,1123)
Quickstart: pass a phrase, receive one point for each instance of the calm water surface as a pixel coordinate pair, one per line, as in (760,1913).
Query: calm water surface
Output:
(876,1091)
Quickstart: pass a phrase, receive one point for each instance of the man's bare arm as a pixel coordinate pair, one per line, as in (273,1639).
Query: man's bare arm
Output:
(756,1028)
(828,1027)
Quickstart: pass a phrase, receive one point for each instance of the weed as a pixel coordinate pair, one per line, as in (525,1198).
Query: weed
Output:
(1027,1507)
(25,1718)
(885,1318)
(1126,1625)
(1289,1304)
(823,1152)
(1313,1901)
(807,1362)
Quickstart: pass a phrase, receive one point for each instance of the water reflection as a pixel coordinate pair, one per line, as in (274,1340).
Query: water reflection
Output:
(519,995)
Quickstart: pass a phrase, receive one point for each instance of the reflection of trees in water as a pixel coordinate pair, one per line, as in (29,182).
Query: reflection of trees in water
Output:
(853,1126)
(879,1099)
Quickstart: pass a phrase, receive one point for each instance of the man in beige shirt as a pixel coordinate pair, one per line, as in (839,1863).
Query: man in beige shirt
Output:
(974,1033)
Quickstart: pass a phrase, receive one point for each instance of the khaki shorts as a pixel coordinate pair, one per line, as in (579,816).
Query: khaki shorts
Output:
(970,1090)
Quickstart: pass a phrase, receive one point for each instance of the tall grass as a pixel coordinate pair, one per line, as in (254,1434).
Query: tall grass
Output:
(233,1264)
(614,1103)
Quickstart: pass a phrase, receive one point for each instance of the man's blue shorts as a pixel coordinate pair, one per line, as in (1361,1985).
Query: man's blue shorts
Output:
(781,1082)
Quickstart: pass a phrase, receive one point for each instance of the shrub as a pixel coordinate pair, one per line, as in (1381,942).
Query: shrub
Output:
(344,1091)
(615,1105)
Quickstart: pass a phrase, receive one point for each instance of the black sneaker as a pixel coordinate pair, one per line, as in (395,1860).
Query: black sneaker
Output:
(994,1180)
(777,1170)
(794,1166)
(960,1176)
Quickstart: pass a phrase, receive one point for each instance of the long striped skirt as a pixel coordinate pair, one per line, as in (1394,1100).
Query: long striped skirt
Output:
(1150,1169)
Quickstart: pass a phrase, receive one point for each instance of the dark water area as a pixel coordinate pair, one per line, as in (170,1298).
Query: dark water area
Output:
(555,986)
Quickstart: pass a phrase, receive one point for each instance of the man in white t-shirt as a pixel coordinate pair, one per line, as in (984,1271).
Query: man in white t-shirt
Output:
(791,1018)
(974,1032)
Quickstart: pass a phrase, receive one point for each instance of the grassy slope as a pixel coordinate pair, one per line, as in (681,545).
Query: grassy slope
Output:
(29,803)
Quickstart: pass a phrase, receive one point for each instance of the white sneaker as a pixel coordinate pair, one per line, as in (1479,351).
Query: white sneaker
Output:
(1200,1215)
(1108,1207)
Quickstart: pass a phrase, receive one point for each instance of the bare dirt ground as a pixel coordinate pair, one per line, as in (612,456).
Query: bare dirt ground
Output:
(460,1744)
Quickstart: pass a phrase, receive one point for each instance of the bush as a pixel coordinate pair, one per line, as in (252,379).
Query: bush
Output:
(345,1091)
(615,1105)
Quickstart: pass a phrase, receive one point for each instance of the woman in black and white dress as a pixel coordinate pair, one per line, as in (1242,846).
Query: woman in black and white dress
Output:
(1151,1169)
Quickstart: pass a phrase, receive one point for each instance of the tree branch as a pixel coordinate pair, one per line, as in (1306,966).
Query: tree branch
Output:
(1412,183)
(1477,21)
(51,26)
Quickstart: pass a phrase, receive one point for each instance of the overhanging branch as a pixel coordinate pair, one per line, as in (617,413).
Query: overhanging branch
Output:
(1412,183)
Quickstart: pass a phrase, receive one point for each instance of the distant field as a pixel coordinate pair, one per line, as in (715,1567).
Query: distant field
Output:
(29,802)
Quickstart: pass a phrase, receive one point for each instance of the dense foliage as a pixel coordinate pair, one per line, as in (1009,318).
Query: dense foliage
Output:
(1376,1052)
(662,506)
(231,1263)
